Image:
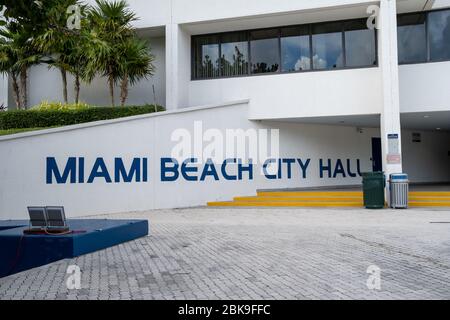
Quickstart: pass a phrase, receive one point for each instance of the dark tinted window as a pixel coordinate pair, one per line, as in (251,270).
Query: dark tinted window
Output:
(412,39)
(359,44)
(439,35)
(327,46)
(206,57)
(295,49)
(285,49)
(234,54)
(265,56)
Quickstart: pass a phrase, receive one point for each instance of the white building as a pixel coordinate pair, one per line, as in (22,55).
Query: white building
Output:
(338,91)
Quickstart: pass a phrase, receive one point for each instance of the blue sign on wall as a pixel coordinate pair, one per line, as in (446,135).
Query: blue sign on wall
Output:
(76,171)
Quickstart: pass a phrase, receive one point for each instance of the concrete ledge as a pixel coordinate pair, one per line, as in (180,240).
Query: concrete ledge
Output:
(120,120)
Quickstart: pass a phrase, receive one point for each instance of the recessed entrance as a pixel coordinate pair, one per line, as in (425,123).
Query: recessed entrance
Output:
(377,158)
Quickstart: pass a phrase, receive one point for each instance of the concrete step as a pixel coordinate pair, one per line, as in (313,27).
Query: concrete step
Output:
(285,204)
(309,193)
(298,199)
(327,199)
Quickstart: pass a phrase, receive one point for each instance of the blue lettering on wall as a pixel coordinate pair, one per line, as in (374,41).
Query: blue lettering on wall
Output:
(99,170)
(209,170)
(304,167)
(224,171)
(185,170)
(69,170)
(349,169)
(169,174)
(75,171)
(289,163)
(245,168)
(266,164)
(339,169)
(325,168)
(121,172)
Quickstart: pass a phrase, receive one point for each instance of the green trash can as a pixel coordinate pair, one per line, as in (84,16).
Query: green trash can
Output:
(374,184)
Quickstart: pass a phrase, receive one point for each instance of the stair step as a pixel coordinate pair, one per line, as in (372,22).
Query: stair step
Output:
(328,199)
(430,193)
(309,193)
(298,199)
(430,204)
(285,204)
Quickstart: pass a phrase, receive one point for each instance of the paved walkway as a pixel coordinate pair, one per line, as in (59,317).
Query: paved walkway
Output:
(260,254)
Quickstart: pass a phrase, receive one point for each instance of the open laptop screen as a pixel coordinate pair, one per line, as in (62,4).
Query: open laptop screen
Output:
(56,217)
(37,217)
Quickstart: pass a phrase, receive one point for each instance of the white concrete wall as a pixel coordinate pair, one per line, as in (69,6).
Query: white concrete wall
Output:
(441,4)
(425,87)
(23,170)
(310,94)
(429,160)
(154,13)
(45,84)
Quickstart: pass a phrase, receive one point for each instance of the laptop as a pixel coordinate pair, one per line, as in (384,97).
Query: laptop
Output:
(56,219)
(38,218)
(47,220)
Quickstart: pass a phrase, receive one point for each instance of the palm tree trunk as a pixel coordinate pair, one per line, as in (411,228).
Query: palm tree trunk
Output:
(124,90)
(23,88)
(111,90)
(77,88)
(64,83)
(15,87)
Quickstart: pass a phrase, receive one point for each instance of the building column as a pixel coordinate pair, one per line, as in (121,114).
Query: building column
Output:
(4,90)
(177,66)
(171,83)
(390,113)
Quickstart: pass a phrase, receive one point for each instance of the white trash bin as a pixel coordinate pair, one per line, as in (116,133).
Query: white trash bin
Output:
(399,191)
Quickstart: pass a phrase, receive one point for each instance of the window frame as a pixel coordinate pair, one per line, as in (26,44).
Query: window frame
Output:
(280,71)
(427,36)
(277,38)
(310,56)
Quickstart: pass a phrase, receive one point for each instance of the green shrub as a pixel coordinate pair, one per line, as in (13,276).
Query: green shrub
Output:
(36,118)
(58,106)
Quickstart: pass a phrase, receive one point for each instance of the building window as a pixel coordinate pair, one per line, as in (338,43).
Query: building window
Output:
(424,37)
(207,57)
(285,49)
(234,54)
(412,38)
(327,46)
(360,44)
(439,35)
(295,49)
(265,56)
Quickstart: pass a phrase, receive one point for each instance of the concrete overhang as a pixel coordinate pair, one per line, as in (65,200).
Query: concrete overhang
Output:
(348,10)
(426,121)
(154,32)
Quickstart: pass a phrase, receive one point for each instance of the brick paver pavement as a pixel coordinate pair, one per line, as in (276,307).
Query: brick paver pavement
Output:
(260,254)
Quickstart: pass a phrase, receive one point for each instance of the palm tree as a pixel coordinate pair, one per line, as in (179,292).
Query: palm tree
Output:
(61,46)
(136,64)
(8,65)
(110,23)
(17,43)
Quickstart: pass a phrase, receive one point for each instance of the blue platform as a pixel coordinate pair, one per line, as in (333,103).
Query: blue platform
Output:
(19,252)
